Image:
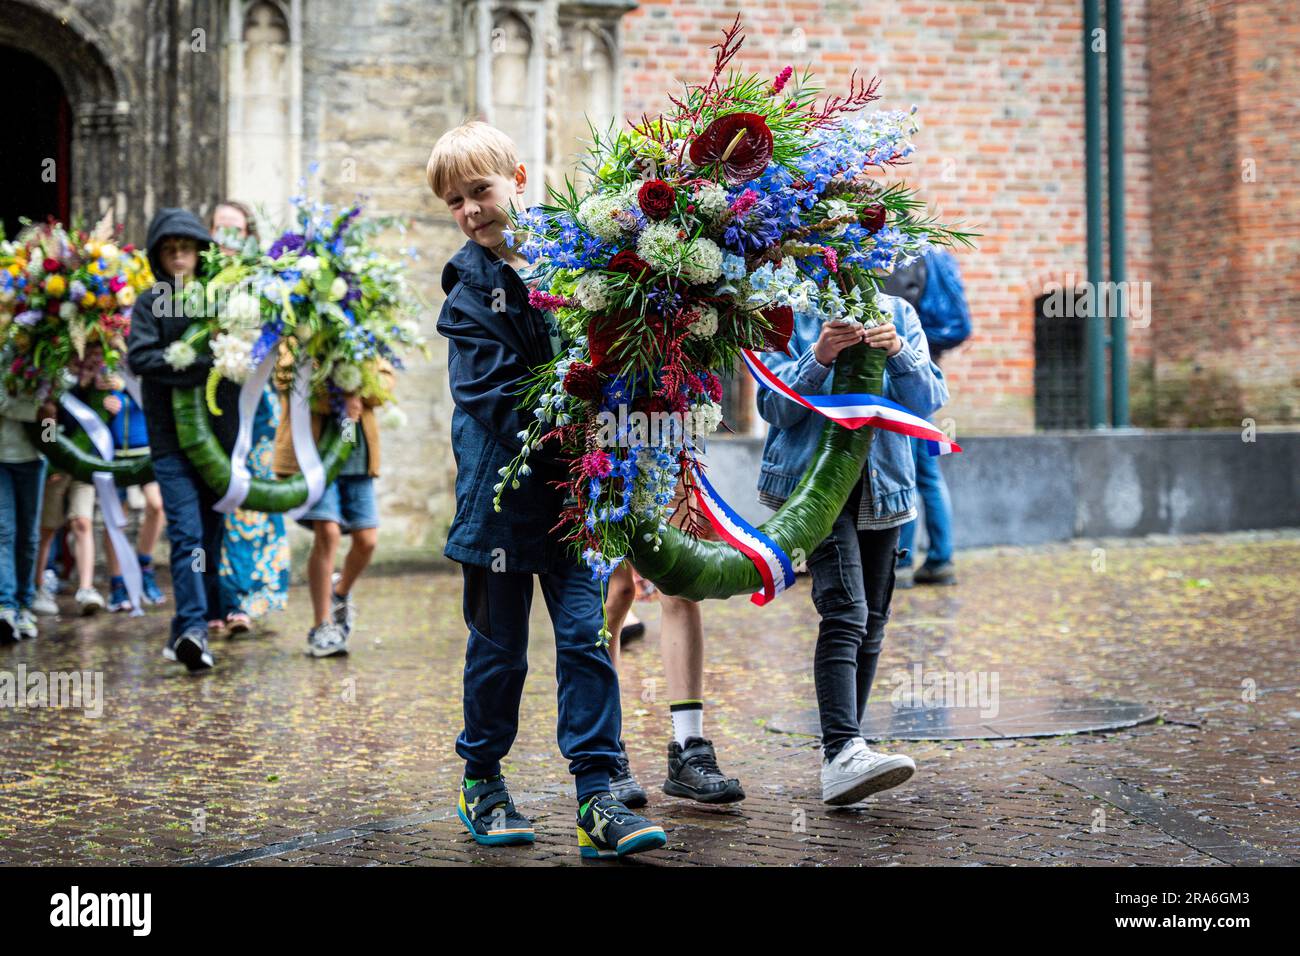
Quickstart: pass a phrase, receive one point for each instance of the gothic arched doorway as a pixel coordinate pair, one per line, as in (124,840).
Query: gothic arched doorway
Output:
(36,152)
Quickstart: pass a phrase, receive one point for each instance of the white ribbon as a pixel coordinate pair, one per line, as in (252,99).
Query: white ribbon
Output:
(130,384)
(304,443)
(250,396)
(109,504)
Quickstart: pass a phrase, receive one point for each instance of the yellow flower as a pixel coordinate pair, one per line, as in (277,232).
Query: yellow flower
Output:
(87,300)
(16,269)
(125,296)
(56,285)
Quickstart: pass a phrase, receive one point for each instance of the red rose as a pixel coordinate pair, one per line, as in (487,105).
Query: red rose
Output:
(628,262)
(781,326)
(52,265)
(603,333)
(873,218)
(582,381)
(748,156)
(657,199)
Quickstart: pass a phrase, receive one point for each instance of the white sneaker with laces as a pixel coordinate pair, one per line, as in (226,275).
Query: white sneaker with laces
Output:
(26,628)
(43,603)
(857,771)
(327,640)
(89,601)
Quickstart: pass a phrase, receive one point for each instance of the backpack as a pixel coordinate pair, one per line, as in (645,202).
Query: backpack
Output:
(944,315)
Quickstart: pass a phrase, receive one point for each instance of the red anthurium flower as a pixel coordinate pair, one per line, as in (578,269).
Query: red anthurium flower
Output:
(741,142)
(657,199)
(781,326)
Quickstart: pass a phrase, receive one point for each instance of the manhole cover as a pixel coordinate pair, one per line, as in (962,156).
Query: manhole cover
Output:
(1030,717)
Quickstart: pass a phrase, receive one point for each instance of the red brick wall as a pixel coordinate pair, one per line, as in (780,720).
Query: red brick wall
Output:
(1000,91)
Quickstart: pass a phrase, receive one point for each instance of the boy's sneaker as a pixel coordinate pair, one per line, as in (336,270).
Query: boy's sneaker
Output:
(149,585)
(8,626)
(490,815)
(43,603)
(342,611)
(191,649)
(693,773)
(327,640)
(118,599)
(50,581)
(624,785)
(607,828)
(26,626)
(89,601)
(938,574)
(857,771)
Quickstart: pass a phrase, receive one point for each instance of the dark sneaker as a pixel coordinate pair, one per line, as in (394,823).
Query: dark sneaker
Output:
(149,584)
(632,632)
(624,785)
(938,574)
(118,599)
(609,829)
(693,773)
(191,649)
(9,626)
(490,815)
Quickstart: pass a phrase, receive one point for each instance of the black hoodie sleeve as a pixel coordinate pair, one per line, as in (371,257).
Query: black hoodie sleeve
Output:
(145,345)
(486,375)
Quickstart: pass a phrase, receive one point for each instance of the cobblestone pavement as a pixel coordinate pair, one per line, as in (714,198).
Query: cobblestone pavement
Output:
(277,759)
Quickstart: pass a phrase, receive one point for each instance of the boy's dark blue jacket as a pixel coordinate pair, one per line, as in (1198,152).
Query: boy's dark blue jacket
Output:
(489,356)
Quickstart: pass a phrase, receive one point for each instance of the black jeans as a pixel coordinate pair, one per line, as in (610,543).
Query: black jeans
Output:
(852,585)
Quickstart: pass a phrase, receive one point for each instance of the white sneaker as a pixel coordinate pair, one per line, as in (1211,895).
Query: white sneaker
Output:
(43,603)
(26,625)
(89,601)
(50,581)
(327,640)
(858,771)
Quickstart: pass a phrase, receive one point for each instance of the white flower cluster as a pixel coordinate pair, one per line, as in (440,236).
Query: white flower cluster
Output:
(596,214)
(704,419)
(702,261)
(592,292)
(232,356)
(347,376)
(179,355)
(711,201)
(241,314)
(834,209)
(705,324)
(658,245)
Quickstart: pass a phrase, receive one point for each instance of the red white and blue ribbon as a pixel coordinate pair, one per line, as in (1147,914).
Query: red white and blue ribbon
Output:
(856,410)
(773,564)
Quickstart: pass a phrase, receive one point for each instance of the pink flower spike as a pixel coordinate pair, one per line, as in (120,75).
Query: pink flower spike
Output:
(596,464)
(781,79)
(831,259)
(545,301)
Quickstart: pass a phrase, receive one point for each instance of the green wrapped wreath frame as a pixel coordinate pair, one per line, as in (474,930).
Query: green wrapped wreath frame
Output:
(684,566)
(200,444)
(73,455)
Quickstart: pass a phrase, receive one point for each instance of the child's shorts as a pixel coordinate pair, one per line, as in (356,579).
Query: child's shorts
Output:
(79,496)
(349,502)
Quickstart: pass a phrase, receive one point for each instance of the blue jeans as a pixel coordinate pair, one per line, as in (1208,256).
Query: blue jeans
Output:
(349,501)
(194,531)
(496,662)
(21,485)
(938,510)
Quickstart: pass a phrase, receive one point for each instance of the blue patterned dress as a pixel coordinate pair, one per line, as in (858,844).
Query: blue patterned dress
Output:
(255,553)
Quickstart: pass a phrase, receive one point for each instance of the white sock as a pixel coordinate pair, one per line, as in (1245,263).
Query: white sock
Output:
(688,719)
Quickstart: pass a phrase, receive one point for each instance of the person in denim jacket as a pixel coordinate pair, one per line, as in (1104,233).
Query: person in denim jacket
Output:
(853,569)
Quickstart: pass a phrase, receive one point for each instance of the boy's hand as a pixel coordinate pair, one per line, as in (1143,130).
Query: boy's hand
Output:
(352,406)
(884,337)
(833,340)
(112,404)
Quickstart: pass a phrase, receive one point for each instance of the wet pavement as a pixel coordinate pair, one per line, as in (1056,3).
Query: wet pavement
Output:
(275,758)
